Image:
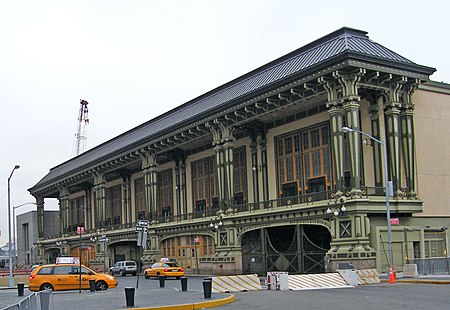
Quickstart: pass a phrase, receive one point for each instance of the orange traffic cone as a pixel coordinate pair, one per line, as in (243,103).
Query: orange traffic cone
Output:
(392,276)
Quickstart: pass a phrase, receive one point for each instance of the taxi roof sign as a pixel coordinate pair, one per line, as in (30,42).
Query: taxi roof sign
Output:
(67,260)
(164,260)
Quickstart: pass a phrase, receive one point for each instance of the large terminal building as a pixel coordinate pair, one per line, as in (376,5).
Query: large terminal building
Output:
(257,175)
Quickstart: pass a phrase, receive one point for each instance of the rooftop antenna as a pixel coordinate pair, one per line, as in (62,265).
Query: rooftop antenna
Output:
(80,135)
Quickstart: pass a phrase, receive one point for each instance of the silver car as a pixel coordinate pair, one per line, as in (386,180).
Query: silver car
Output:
(123,268)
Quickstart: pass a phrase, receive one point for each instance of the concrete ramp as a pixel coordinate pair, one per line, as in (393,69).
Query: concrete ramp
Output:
(368,276)
(316,281)
(240,283)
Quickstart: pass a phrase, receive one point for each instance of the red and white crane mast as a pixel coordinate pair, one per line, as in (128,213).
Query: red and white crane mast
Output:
(81,134)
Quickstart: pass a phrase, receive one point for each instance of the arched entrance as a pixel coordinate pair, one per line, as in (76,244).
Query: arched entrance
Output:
(295,249)
(123,250)
(186,250)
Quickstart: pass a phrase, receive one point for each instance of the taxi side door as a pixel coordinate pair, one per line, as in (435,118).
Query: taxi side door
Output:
(63,278)
(84,277)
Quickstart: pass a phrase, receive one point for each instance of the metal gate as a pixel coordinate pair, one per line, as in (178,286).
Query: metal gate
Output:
(295,249)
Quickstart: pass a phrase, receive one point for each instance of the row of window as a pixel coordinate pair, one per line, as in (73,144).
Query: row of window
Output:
(303,164)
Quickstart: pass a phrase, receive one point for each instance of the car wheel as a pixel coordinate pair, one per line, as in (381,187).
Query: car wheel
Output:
(178,278)
(122,273)
(146,276)
(134,273)
(101,286)
(46,286)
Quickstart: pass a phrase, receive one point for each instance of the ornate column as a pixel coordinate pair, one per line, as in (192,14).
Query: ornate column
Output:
(149,165)
(40,215)
(336,112)
(408,143)
(254,149)
(87,209)
(350,103)
(392,125)
(64,208)
(264,173)
(183,193)
(218,148)
(228,145)
(376,147)
(99,199)
(223,142)
(178,187)
(126,200)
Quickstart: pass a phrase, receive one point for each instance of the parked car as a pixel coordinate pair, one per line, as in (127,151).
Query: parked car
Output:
(164,268)
(123,268)
(61,277)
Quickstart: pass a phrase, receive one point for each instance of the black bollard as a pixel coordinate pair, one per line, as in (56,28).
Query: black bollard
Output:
(183,284)
(20,287)
(207,287)
(129,296)
(92,285)
(162,281)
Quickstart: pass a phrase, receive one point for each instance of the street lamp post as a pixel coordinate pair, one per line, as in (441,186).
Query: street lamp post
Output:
(11,281)
(386,184)
(14,225)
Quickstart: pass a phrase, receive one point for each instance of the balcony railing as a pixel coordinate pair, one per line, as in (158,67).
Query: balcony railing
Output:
(308,199)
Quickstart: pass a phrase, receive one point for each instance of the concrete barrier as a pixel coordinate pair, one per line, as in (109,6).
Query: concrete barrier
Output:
(239,283)
(410,271)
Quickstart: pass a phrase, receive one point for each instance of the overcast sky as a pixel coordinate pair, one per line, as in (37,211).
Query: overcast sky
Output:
(133,60)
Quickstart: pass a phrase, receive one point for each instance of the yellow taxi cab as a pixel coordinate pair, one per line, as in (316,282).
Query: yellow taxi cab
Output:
(164,268)
(66,276)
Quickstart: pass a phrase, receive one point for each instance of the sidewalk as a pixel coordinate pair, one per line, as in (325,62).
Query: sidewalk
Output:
(160,298)
(420,279)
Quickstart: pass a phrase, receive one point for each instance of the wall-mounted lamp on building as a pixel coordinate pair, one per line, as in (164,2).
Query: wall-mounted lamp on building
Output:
(337,211)
(216,224)
(254,168)
(61,245)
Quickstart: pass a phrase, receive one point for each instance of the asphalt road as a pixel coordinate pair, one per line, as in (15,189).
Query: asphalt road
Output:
(392,296)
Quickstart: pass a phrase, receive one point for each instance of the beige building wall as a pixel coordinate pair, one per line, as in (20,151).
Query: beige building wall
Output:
(432,136)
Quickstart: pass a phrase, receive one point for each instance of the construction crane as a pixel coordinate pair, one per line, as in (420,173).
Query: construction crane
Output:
(80,135)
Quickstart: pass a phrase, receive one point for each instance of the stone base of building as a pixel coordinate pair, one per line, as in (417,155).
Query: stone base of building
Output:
(360,264)
(350,256)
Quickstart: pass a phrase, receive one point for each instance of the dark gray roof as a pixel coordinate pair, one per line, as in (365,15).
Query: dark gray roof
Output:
(342,42)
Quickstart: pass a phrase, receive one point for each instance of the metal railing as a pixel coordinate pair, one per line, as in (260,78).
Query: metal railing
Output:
(432,266)
(42,300)
(308,199)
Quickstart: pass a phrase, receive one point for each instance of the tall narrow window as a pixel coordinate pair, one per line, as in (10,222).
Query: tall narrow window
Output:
(303,162)
(289,165)
(239,176)
(316,157)
(139,198)
(165,197)
(113,200)
(204,183)
(76,213)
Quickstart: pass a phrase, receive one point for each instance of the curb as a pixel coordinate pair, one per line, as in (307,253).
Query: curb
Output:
(418,281)
(197,305)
